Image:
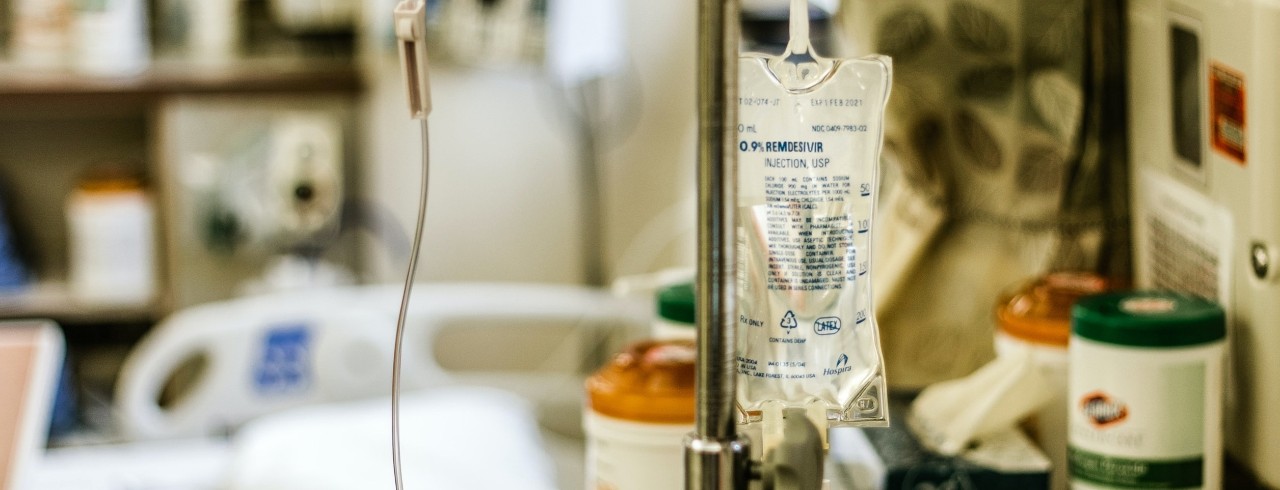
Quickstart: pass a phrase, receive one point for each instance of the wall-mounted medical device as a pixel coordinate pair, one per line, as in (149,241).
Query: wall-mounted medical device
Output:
(1204,104)
(280,188)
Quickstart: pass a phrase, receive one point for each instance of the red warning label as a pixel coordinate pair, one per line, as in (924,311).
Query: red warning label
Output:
(1226,111)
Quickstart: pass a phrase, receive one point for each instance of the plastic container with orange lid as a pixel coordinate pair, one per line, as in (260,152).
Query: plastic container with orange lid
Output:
(111,239)
(1037,317)
(640,407)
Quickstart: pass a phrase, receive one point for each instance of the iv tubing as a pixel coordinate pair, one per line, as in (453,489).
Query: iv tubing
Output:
(404,312)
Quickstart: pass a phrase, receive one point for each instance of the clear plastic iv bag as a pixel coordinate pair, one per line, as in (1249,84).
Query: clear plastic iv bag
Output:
(809,138)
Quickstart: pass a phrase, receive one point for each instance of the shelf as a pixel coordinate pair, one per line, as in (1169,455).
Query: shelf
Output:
(52,300)
(56,121)
(167,77)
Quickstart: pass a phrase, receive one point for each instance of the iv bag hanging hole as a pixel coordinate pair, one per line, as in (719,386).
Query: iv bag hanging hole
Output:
(800,69)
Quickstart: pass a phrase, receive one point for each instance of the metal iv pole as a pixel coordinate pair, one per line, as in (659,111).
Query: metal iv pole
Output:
(716,456)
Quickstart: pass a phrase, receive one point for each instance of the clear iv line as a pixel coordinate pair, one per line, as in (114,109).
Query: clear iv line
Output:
(410,29)
(404,312)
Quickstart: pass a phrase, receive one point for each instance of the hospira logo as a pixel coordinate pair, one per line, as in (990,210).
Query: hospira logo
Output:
(842,366)
(1102,410)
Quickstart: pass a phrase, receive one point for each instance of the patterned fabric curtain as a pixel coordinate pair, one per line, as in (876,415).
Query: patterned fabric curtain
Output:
(1004,159)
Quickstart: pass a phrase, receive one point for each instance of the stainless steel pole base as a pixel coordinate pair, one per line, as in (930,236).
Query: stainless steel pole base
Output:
(711,464)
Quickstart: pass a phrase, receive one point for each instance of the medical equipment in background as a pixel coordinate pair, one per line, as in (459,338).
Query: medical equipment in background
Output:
(233,174)
(269,190)
(304,191)
(1206,187)
(1004,159)
(285,192)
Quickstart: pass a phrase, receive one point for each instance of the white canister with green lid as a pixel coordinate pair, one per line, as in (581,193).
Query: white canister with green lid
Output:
(675,318)
(1145,392)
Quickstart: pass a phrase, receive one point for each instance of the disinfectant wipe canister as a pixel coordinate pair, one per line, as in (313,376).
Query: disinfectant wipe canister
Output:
(1036,321)
(1145,407)
(675,318)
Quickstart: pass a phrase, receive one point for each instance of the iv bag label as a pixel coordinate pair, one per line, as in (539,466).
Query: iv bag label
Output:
(809,251)
(807,162)
(815,206)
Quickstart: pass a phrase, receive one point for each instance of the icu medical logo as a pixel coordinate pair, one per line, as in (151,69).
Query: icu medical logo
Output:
(1102,410)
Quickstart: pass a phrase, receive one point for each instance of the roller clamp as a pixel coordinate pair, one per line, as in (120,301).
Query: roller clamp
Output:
(411,35)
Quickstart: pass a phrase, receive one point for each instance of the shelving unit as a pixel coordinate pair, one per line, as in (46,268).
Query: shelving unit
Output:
(175,76)
(54,123)
(52,300)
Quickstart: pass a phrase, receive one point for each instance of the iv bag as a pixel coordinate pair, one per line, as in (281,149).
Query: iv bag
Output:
(809,137)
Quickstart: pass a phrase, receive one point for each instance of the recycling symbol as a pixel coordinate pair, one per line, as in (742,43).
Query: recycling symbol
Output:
(789,322)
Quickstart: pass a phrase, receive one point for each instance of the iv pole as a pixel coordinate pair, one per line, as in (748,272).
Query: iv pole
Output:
(716,456)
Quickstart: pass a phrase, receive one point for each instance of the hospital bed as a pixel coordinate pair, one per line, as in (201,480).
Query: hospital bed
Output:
(289,390)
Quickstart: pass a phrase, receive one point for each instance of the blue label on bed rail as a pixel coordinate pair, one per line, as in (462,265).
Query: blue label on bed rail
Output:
(285,365)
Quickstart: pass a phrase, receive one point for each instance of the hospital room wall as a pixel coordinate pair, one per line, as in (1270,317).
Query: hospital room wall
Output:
(504,203)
